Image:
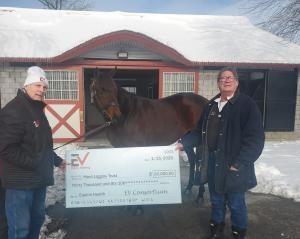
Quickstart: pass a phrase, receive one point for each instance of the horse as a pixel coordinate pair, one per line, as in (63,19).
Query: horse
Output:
(139,121)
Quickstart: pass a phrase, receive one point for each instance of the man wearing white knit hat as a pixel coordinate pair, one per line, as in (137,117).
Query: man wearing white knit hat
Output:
(36,83)
(26,151)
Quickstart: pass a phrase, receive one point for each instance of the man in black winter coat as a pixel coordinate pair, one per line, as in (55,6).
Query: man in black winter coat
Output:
(26,150)
(231,136)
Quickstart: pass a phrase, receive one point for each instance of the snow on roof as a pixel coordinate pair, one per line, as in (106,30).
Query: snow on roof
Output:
(36,33)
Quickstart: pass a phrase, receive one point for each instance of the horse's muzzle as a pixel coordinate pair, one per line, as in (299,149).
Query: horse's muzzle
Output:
(113,113)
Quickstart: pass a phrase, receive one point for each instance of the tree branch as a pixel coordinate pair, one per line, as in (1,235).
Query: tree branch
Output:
(281,17)
(66,4)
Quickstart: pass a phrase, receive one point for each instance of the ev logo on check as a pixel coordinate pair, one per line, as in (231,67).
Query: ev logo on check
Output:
(76,160)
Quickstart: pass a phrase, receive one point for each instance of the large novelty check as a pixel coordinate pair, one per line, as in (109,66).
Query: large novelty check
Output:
(122,176)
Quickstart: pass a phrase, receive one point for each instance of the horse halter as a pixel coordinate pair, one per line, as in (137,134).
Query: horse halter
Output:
(104,109)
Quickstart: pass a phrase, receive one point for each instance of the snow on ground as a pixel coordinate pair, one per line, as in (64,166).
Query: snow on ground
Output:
(277,171)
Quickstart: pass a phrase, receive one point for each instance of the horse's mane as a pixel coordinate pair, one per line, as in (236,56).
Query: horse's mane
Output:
(122,91)
(125,100)
(130,97)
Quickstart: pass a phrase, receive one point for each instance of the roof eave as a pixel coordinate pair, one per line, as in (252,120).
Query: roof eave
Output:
(249,64)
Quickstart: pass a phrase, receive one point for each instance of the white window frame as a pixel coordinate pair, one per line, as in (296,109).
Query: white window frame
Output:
(63,85)
(176,82)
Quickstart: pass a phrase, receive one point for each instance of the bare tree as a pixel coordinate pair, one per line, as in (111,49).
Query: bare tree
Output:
(66,4)
(281,17)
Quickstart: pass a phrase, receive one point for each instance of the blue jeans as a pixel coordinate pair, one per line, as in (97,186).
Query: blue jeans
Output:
(3,222)
(235,201)
(25,211)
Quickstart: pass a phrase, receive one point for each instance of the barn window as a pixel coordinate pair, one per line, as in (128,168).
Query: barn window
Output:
(63,85)
(175,82)
(130,89)
(275,92)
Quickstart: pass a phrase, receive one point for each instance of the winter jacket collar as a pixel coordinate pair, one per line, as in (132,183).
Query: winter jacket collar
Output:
(232,100)
(37,103)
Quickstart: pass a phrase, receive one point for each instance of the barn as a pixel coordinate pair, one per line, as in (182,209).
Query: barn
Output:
(156,55)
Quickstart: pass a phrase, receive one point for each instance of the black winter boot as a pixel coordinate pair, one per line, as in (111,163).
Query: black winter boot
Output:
(216,230)
(238,233)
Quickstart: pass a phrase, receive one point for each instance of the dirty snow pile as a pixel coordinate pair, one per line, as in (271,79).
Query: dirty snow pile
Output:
(278,170)
(55,194)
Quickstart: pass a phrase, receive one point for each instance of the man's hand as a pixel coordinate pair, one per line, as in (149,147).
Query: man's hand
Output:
(179,146)
(62,165)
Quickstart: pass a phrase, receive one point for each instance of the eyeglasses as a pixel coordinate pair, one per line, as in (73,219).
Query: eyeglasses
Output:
(227,78)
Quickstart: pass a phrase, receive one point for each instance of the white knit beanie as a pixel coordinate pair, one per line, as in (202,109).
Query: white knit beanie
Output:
(35,74)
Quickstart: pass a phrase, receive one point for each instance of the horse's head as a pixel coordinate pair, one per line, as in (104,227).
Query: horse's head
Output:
(104,94)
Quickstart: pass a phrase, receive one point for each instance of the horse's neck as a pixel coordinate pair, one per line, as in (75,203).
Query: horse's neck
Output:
(126,101)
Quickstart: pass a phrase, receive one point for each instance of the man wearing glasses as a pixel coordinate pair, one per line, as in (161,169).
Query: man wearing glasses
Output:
(231,136)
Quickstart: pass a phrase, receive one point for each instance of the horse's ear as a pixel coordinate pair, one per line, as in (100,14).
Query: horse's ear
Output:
(112,72)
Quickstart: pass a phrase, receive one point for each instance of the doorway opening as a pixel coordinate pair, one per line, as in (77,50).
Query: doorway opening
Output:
(144,83)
